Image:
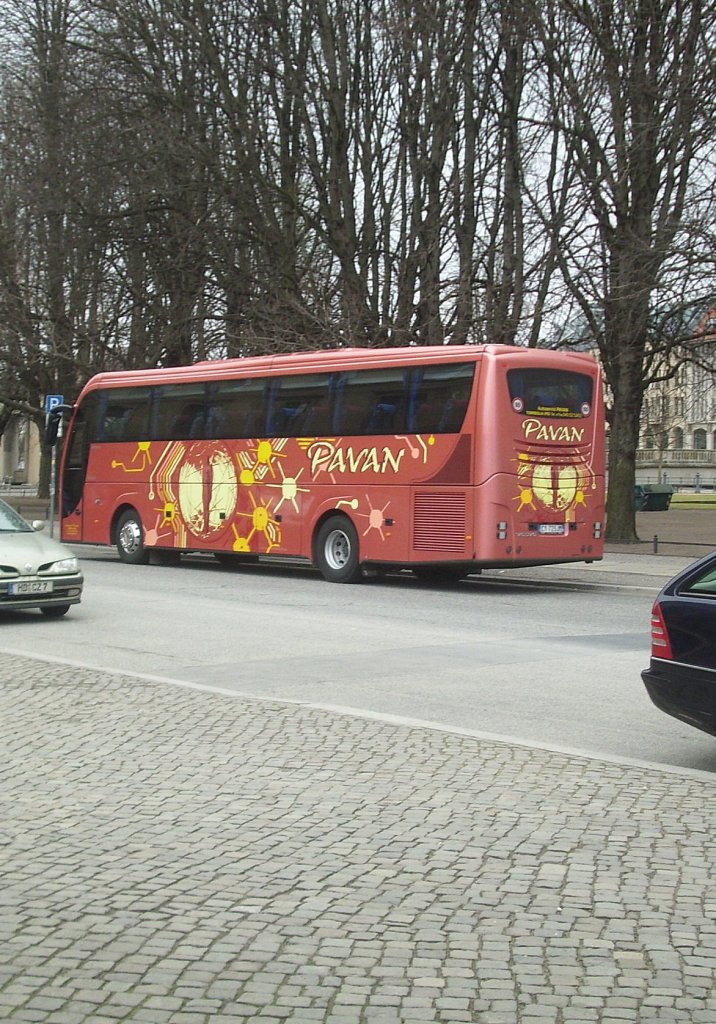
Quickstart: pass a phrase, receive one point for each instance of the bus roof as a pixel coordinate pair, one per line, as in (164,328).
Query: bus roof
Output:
(328,360)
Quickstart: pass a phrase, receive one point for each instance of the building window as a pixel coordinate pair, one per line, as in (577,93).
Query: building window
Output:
(700,440)
(678,438)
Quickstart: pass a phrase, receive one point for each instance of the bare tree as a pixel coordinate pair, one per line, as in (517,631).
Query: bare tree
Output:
(635,85)
(184,179)
(52,200)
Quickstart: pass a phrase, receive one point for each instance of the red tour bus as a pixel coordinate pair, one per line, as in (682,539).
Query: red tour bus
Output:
(444,459)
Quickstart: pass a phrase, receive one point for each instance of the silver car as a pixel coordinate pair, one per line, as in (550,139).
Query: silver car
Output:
(35,571)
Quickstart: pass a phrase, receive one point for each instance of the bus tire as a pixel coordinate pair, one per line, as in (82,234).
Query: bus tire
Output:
(129,538)
(336,551)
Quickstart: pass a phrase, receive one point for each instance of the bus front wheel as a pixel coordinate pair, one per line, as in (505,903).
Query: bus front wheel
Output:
(130,539)
(337,555)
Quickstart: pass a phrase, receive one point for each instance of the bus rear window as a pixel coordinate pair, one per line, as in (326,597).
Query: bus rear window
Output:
(552,394)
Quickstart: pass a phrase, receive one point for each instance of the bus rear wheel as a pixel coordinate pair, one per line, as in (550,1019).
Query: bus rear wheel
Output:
(129,538)
(337,554)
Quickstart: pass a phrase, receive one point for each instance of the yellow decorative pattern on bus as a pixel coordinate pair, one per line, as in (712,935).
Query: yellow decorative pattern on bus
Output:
(200,484)
(556,482)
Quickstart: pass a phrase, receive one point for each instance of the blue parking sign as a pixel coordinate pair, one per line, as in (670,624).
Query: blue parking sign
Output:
(52,401)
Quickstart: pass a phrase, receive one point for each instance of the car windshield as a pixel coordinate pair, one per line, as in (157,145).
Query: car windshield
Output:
(11,521)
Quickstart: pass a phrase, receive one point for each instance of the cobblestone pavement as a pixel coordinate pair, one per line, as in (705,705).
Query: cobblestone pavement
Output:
(175,856)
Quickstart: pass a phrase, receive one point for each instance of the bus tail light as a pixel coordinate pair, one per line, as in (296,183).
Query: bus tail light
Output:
(502,531)
(660,641)
(597,531)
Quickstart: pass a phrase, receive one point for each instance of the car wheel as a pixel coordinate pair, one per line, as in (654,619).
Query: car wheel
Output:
(55,611)
(336,550)
(130,539)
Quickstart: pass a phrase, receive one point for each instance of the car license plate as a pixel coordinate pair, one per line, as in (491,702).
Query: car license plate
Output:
(550,528)
(30,587)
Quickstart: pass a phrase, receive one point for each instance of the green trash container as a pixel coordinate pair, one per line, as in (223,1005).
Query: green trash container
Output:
(653,497)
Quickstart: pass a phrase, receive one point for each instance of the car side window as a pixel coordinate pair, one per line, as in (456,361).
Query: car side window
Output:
(705,584)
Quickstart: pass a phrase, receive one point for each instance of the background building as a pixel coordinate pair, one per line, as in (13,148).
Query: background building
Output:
(678,425)
(20,454)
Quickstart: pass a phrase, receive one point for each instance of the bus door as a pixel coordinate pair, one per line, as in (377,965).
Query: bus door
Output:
(74,470)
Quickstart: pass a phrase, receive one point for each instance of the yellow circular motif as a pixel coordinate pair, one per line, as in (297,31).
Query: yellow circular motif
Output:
(207,489)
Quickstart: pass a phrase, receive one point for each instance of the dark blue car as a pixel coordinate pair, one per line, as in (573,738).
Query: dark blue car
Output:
(681,678)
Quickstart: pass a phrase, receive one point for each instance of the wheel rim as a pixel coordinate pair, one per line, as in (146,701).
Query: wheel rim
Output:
(130,537)
(337,550)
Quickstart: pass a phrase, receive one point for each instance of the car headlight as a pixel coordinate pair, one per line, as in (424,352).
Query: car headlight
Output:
(65,565)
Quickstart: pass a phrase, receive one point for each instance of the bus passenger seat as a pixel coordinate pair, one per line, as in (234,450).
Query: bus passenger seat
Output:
(252,425)
(382,419)
(317,421)
(453,415)
(422,419)
(350,420)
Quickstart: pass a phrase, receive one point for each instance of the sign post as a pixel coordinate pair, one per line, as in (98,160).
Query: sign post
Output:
(51,402)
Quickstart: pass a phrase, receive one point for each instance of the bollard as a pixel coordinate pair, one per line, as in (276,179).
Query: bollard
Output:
(656,544)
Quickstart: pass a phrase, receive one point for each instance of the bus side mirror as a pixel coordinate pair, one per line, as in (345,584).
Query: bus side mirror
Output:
(52,426)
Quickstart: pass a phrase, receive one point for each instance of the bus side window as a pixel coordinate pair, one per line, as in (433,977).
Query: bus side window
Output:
(371,402)
(215,417)
(387,416)
(439,396)
(112,425)
(188,422)
(252,418)
(165,413)
(178,412)
(317,420)
(236,409)
(286,418)
(453,414)
(300,406)
(135,424)
(225,421)
(350,418)
(422,415)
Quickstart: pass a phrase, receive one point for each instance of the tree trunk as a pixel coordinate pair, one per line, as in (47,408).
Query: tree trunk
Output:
(621,508)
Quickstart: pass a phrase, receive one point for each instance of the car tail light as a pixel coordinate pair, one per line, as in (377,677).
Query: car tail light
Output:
(660,642)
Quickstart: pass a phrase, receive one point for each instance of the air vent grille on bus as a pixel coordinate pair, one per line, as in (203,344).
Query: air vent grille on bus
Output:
(439,522)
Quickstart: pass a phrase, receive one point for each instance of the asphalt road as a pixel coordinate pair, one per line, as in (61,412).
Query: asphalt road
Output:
(552,657)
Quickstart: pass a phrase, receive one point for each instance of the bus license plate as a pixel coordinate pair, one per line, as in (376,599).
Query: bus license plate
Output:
(550,528)
(31,587)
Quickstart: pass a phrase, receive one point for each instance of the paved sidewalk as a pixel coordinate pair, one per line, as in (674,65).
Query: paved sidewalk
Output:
(687,533)
(178,856)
